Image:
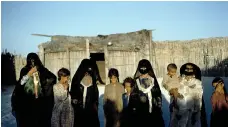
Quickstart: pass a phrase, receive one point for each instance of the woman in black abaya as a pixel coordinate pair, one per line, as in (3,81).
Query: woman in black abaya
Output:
(146,101)
(85,95)
(31,110)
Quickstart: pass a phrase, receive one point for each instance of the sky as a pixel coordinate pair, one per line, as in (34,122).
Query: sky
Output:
(171,21)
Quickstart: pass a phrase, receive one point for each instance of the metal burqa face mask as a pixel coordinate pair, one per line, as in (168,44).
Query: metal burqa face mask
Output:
(143,70)
(189,71)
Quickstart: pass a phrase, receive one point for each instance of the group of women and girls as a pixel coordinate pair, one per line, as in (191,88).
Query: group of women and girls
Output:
(40,101)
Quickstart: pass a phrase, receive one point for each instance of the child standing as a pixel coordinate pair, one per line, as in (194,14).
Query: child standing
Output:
(128,86)
(62,115)
(113,99)
(219,101)
(126,117)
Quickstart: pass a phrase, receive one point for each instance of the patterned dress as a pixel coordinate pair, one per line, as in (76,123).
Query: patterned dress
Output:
(63,114)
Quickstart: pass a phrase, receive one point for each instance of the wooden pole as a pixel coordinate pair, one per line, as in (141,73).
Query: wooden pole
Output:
(68,57)
(41,54)
(106,63)
(223,63)
(87,49)
(150,40)
(135,66)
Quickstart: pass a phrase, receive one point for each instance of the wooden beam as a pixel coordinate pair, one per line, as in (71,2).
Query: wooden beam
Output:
(87,49)
(43,35)
(68,58)
(42,54)
(106,64)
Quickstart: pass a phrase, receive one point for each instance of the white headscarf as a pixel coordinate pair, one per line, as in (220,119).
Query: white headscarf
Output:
(147,91)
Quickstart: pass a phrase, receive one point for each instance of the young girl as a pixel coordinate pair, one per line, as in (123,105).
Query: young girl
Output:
(219,101)
(113,104)
(62,115)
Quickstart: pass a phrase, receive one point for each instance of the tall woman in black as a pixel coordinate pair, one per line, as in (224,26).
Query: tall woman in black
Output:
(146,100)
(32,110)
(85,95)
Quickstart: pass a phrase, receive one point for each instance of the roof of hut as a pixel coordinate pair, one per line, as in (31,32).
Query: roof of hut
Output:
(121,41)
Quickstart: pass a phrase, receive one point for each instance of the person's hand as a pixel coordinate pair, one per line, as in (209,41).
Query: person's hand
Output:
(180,96)
(219,88)
(74,101)
(192,86)
(175,93)
(179,77)
(165,86)
(171,91)
(32,70)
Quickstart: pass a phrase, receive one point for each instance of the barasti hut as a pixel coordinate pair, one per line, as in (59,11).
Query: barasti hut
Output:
(121,51)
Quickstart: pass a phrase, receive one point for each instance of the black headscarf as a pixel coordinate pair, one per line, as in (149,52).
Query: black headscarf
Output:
(36,59)
(91,68)
(148,68)
(196,70)
(85,67)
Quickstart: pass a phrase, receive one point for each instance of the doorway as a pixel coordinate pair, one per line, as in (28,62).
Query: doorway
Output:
(100,61)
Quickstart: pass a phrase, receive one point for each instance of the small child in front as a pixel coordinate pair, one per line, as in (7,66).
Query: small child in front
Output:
(171,83)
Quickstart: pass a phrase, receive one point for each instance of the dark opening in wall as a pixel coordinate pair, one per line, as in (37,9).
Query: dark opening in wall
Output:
(100,61)
(97,56)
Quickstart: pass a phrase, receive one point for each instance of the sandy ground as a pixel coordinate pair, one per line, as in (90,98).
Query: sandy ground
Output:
(9,121)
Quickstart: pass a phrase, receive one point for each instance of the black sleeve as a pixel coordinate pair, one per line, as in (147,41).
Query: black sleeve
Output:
(50,80)
(203,115)
(73,88)
(134,102)
(18,91)
(157,106)
(157,98)
(96,95)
